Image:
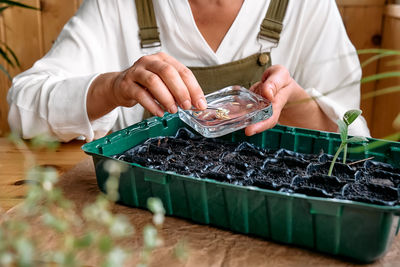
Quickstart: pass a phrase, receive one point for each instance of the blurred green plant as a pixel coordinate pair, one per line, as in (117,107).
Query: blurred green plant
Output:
(6,53)
(377,55)
(95,231)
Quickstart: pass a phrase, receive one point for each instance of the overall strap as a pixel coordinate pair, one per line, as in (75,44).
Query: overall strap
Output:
(148,30)
(272,24)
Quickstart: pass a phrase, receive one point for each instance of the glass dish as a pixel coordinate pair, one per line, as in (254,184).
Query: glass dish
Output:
(229,109)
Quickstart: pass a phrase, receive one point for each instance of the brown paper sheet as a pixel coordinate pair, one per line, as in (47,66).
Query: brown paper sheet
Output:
(207,246)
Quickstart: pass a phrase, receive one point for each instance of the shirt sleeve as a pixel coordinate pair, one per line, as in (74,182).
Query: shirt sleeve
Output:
(327,65)
(51,96)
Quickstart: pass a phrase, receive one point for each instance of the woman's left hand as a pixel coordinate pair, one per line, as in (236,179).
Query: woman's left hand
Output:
(277,86)
(280,88)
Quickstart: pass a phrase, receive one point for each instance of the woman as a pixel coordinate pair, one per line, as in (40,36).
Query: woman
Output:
(116,58)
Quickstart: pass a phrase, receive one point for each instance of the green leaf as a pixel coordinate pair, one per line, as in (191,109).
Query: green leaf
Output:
(14,3)
(55,223)
(155,205)
(25,251)
(150,236)
(377,51)
(396,122)
(357,139)
(342,130)
(105,244)
(13,55)
(116,257)
(379,56)
(351,115)
(5,72)
(374,144)
(120,227)
(6,259)
(380,76)
(4,55)
(45,141)
(84,241)
(384,91)
(3,8)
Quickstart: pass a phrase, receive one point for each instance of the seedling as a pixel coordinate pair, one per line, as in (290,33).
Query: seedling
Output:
(348,118)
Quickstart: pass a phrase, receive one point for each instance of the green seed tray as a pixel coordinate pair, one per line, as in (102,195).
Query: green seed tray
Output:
(360,231)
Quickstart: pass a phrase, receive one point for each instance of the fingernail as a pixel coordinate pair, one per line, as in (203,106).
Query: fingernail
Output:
(160,113)
(172,109)
(186,104)
(270,90)
(202,104)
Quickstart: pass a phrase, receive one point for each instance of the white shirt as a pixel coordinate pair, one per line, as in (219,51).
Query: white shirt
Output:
(103,37)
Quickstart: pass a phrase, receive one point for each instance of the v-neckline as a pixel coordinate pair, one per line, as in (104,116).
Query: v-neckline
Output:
(189,25)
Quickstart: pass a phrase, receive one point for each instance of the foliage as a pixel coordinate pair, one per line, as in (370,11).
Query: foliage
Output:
(6,53)
(379,54)
(94,231)
(348,118)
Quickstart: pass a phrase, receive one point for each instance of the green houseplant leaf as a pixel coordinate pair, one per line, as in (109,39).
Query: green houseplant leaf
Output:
(10,3)
(357,139)
(351,115)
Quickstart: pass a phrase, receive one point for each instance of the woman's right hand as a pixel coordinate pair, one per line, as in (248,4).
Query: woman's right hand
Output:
(158,82)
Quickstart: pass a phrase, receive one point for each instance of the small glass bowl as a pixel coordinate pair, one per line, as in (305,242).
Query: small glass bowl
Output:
(229,109)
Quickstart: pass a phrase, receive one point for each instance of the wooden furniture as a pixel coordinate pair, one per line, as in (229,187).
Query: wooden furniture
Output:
(387,106)
(13,169)
(31,34)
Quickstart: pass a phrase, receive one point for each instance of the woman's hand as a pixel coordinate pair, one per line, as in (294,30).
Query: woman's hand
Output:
(280,88)
(158,82)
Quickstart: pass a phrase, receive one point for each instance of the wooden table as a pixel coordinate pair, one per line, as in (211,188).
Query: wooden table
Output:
(12,169)
(207,245)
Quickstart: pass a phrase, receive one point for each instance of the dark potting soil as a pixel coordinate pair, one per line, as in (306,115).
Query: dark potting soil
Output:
(371,193)
(248,165)
(318,185)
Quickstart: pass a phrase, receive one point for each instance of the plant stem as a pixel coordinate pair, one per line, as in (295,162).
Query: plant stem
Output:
(344,154)
(335,157)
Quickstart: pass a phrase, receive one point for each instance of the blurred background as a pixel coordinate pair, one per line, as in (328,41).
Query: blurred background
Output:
(370,24)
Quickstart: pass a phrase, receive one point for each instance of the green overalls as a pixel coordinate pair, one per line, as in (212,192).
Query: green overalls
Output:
(244,72)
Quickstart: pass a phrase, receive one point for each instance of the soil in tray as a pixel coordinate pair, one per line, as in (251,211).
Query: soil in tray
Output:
(318,185)
(340,170)
(379,177)
(247,165)
(371,193)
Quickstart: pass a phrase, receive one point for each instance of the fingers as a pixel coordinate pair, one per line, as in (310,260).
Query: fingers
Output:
(147,101)
(157,88)
(196,93)
(131,90)
(169,82)
(274,78)
(275,86)
(266,124)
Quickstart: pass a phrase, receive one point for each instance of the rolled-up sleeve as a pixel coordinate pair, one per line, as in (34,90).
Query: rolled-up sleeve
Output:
(51,96)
